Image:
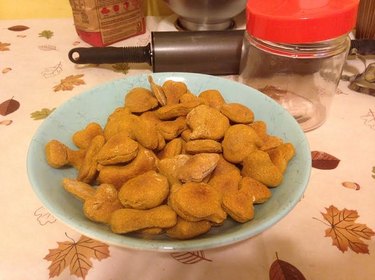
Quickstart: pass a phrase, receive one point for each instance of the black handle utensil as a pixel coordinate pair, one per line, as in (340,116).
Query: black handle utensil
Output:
(209,52)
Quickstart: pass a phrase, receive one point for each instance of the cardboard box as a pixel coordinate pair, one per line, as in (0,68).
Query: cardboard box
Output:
(104,22)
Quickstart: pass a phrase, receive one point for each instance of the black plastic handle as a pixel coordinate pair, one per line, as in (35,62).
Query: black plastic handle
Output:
(104,55)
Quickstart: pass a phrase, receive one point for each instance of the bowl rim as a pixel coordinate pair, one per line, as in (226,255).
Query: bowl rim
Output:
(200,243)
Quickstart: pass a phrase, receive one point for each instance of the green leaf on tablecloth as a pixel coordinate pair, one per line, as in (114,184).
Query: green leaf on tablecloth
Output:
(69,82)
(46,34)
(282,270)
(121,67)
(76,256)
(4,47)
(323,160)
(190,257)
(345,232)
(41,114)
(18,28)
(9,106)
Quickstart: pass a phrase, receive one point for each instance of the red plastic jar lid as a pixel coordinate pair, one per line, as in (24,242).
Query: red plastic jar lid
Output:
(300,21)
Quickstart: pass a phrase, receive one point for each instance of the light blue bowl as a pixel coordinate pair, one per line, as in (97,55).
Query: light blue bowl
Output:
(95,106)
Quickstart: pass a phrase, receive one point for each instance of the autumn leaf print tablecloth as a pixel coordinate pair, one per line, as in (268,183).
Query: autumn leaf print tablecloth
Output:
(329,235)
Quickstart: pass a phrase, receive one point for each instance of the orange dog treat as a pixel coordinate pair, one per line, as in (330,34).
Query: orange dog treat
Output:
(203,146)
(281,155)
(99,203)
(120,148)
(259,166)
(59,155)
(212,98)
(239,205)
(119,174)
(188,230)
(88,170)
(239,141)
(172,148)
(225,177)
(140,100)
(145,191)
(198,167)
(196,202)
(83,138)
(237,113)
(174,90)
(206,123)
(259,192)
(130,220)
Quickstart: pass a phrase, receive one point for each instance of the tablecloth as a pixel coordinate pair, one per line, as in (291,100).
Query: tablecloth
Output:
(36,76)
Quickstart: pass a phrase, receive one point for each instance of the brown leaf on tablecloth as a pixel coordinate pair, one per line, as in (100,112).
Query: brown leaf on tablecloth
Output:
(4,46)
(373,172)
(345,232)
(322,160)
(18,28)
(76,256)
(281,270)
(43,216)
(9,106)
(69,82)
(190,257)
(351,185)
(42,114)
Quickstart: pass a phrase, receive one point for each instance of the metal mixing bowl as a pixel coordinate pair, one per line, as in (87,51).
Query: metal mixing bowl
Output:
(206,14)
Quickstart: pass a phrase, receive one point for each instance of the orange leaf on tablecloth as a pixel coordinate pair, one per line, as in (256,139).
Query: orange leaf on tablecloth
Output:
(190,257)
(9,106)
(69,82)
(345,232)
(4,46)
(281,270)
(76,256)
(351,185)
(6,70)
(323,160)
(6,122)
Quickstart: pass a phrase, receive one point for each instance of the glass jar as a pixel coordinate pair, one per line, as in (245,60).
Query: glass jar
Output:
(294,51)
